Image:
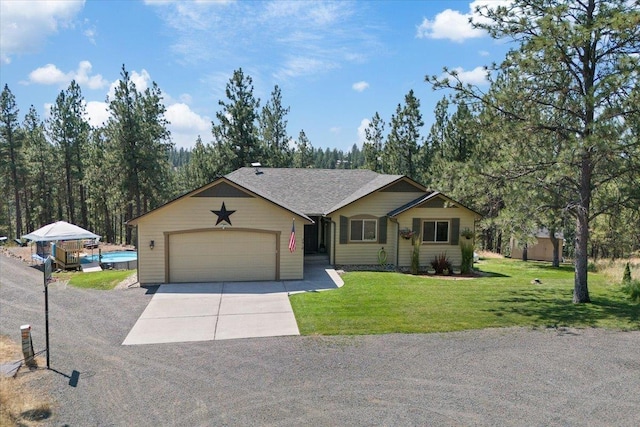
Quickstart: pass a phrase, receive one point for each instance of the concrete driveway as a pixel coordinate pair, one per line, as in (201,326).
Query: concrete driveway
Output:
(226,310)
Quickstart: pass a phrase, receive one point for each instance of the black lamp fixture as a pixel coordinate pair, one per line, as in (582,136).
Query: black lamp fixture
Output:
(152,244)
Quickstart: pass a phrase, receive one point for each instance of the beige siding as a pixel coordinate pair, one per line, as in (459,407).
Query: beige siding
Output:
(194,213)
(376,204)
(541,251)
(428,251)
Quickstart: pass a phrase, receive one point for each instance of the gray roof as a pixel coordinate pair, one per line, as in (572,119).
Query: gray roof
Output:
(312,191)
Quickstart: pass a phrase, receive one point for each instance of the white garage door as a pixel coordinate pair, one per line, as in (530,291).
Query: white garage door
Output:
(215,256)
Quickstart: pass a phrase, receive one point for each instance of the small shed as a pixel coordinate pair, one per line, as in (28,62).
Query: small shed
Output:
(542,250)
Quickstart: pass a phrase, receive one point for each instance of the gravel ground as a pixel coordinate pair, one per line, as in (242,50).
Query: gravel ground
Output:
(513,376)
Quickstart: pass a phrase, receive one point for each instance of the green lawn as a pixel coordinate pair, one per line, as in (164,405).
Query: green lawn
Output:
(102,280)
(377,303)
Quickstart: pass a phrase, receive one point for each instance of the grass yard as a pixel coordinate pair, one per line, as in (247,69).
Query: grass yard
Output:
(378,303)
(102,280)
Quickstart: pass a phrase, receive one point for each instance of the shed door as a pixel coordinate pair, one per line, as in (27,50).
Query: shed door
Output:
(222,255)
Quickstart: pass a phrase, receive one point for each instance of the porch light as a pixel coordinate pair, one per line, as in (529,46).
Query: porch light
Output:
(152,244)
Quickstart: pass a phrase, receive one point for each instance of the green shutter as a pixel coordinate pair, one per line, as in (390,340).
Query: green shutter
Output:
(382,229)
(344,230)
(455,230)
(416,227)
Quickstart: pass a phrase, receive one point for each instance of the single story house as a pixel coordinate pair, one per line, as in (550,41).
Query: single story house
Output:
(542,250)
(260,223)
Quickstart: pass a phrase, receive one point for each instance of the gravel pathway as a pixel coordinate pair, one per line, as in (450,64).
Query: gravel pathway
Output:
(510,377)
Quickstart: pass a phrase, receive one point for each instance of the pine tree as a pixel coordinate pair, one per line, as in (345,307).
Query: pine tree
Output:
(273,132)
(374,144)
(68,130)
(10,153)
(570,77)
(303,155)
(403,141)
(237,133)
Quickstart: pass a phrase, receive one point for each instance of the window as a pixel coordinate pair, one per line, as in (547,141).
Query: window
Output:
(435,231)
(363,230)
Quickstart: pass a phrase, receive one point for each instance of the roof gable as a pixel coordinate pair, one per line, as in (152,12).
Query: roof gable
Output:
(433,199)
(222,189)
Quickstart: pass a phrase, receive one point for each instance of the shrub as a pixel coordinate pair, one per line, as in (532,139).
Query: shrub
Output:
(633,290)
(592,267)
(626,276)
(441,264)
(467,257)
(415,257)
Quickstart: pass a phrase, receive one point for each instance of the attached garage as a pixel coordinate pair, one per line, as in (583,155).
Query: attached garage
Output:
(223,255)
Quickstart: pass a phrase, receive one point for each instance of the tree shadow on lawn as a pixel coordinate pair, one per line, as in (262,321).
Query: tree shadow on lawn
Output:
(552,307)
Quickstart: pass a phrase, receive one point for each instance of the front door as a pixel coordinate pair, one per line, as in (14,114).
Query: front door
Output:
(311,237)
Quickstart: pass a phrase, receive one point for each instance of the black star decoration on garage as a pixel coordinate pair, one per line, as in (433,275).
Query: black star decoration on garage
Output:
(223,215)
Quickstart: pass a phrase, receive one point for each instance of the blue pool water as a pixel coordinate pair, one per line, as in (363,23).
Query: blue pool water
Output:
(108,257)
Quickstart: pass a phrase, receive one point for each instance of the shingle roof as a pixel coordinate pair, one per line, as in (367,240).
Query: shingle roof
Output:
(312,191)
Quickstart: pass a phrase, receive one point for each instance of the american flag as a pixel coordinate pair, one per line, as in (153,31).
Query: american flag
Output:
(292,239)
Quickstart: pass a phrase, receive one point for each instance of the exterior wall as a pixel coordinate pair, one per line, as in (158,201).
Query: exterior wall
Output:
(541,251)
(195,213)
(377,204)
(428,251)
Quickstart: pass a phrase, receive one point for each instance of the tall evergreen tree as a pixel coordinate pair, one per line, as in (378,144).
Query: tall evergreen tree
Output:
(236,132)
(10,153)
(403,141)
(273,132)
(374,144)
(38,154)
(68,129)
(138,136)
(570,76)
(304,151)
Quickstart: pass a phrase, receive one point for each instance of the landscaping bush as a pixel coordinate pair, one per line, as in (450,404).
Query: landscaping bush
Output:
(467,257)
(626,276)
(633,290)
(441,264)
(415,257)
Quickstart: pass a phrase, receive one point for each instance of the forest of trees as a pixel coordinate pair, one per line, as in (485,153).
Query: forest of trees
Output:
(553,143)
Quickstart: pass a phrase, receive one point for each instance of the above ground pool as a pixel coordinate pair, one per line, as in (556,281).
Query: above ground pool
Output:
(122,260)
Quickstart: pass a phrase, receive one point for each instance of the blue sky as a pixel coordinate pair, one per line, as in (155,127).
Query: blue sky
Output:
(337,63)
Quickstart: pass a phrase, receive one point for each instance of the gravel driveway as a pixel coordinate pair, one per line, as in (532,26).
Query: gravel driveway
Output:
(492,377)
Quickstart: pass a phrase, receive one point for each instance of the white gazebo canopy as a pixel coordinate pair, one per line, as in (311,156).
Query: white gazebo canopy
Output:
(60,230)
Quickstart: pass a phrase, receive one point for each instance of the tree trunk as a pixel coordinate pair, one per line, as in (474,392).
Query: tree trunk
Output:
(525,255)
(556,247)
(581,289)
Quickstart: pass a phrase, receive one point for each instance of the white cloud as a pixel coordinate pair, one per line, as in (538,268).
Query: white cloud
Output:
(360,86)
(142,81)
(48,75)
(52,75)
(335,129)
(453,25)
(300,66)
(25,25)
(297,39)
(477,76)
(186,125)
(364,124)
(97,113)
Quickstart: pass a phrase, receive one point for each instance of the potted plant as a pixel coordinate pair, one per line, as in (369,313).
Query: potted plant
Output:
(467,234)
(405,233)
